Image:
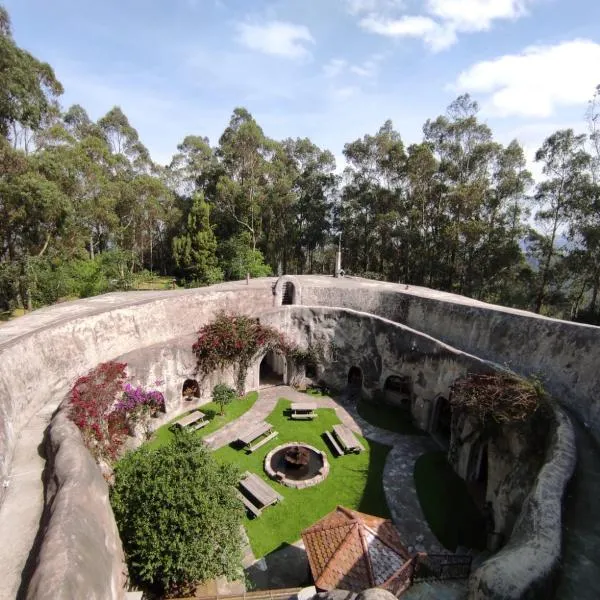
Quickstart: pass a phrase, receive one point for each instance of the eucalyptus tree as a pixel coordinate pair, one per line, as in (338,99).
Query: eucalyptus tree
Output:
(370,201)
(566,167)
(244,153)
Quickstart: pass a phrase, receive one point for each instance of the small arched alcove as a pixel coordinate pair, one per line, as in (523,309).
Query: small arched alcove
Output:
(397,391)
(310,371)
(289,293)
(190,389)
(272,369)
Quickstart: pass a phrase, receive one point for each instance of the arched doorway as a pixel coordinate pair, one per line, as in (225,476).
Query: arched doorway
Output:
(289,293)
(397,391)
(355,377)
(442,419)
(190,389)
(271,370)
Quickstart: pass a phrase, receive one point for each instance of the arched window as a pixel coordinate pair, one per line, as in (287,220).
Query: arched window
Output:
(289,293)
(398,390)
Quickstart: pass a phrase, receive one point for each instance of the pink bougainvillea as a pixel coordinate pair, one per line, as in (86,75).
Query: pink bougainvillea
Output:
(106,408)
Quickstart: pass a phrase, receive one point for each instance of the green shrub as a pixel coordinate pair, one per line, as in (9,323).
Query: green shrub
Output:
(223,395)
(178,515)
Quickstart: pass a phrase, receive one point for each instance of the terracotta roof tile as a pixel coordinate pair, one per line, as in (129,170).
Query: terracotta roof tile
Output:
(353,551)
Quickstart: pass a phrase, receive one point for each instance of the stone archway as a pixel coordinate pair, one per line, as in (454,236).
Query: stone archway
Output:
(355,377)
(289,293)
(441,421)
(272,369)
(398,391)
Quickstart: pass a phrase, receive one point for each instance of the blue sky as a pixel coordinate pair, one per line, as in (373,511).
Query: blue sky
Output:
(331,70)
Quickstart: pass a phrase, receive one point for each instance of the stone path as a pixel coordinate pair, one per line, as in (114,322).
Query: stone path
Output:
(399,485)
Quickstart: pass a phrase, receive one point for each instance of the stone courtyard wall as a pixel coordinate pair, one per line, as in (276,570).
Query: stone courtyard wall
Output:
(41,356)
(564,354)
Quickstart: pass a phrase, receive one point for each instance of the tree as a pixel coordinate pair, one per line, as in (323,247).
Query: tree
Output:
(194,250)
(223,395)
(565,163)
(178,515)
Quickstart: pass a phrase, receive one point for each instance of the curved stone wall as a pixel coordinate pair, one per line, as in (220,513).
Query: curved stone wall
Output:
(42,354)
(80,554)
(564,354)
(526,566)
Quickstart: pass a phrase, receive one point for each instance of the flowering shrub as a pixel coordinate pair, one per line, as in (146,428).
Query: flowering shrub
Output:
(235,340)
(106,409)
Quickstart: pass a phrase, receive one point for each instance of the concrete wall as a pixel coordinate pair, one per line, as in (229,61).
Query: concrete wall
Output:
(41,365)
(80,554)
(525,567)
(565,355)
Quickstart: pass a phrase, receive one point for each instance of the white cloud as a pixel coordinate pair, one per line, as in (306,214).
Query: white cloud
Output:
(356,7)
(476,15)
(278,38)
(537,81)
(334,67)
(368,68)
(437,36)
(442,20)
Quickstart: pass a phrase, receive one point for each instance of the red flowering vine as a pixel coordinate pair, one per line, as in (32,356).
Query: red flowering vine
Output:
(235,340)
(105,408)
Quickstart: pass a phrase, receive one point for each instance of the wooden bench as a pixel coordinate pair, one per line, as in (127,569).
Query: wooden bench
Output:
(251,508)
(303,410)
(251,448)
(347,440)
(333,443)
(195,420)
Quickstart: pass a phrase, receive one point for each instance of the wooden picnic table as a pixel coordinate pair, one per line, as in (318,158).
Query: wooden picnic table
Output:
(347,438)
(303,406)
(261,491)
(255,433)
(303,410)
(191,419)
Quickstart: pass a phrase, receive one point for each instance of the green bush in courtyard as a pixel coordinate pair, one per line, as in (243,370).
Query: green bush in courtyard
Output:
(223,395)
(178,515)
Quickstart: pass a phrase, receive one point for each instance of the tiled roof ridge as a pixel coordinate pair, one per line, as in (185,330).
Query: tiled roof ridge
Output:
(366,553)
(401,551)
(331,564)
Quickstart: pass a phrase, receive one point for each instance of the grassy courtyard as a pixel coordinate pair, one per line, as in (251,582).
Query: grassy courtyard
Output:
(354,481)
(232,411)
(449,509)
(386,416)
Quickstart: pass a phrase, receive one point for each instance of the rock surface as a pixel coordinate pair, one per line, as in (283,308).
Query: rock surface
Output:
(81,554)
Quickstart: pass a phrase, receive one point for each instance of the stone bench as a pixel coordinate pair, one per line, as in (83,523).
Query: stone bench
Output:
(333,442)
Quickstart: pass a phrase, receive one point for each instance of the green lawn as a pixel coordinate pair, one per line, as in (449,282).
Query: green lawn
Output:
(233,411)
(449,509)
(388,417)
(354,481)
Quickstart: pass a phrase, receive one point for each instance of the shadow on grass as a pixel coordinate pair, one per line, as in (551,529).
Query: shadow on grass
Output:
(388,417)
(373,501)
(447,505)
(285,567)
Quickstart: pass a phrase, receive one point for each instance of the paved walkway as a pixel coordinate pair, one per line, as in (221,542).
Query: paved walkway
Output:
(398,478)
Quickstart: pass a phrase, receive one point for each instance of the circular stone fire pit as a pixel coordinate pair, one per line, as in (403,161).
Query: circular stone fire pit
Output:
(297,465)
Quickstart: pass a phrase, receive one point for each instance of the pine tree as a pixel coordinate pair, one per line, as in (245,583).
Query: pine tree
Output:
(194,251)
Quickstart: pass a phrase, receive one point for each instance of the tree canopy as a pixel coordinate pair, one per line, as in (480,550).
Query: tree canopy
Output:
(84,209)
(178,515)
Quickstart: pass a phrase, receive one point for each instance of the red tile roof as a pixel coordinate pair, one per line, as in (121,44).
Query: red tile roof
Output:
(353,551)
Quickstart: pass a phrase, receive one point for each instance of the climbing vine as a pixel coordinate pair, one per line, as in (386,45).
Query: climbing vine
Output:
(106,409)
(237,340)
